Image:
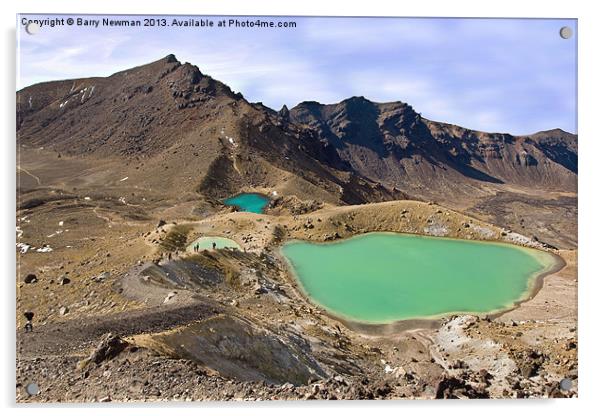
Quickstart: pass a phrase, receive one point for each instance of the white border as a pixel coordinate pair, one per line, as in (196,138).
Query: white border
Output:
(590,153)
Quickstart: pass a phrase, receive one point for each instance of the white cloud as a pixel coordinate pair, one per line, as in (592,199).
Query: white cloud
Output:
(483,74)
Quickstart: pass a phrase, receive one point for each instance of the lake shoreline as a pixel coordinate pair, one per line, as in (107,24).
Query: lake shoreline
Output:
(222,243)
(429,322)
(247,206)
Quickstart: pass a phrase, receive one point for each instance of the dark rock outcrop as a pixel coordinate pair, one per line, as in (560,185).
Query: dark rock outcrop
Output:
(109,347)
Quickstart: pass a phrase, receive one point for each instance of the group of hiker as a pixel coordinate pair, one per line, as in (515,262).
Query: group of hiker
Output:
(196,248)
(29,315)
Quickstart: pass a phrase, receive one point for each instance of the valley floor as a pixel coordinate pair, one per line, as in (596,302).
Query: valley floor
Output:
(233,325)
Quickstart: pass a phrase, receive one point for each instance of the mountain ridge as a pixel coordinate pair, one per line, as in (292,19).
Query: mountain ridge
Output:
(387,141)
(153,110)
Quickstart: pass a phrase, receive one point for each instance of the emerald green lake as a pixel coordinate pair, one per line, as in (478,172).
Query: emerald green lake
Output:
(387,277)
(248,202)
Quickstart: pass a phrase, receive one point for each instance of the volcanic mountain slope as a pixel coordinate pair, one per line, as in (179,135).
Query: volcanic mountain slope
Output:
(392,143)
(171,116)
(170,127)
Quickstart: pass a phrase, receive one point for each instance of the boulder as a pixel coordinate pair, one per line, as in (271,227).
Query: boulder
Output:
(450,387)
(109,347)
(101,277)
(169,296)
(30,278)
(258,289)
(529,362)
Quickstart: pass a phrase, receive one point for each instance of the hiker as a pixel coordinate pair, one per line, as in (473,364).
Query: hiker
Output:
(28,325)
(214,245)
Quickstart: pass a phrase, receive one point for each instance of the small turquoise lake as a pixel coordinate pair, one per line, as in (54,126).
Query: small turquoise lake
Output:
(386,277)
(248,202)
(211,243)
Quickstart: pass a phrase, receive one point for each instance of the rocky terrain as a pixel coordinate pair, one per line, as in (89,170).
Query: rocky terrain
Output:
(393,144)
(117,175)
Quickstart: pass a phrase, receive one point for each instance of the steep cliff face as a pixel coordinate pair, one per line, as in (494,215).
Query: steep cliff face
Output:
(392,143)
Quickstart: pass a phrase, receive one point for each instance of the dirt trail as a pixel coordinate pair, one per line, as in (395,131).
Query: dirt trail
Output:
(70,337)
(30,174)
(102,217)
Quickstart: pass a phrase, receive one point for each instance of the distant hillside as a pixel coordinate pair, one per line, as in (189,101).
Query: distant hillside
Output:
(175,127)
(392,143)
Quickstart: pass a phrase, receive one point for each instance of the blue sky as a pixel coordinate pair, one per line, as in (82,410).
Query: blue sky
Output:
(502,75)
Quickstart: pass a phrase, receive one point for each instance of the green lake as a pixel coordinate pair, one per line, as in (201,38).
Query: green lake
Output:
(250,202)
(206,243)
(386,277)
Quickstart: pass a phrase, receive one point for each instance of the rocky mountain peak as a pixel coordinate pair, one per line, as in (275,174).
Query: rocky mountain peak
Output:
(284,112)
(171,58)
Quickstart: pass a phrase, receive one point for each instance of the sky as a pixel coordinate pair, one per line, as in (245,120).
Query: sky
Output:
(513,76)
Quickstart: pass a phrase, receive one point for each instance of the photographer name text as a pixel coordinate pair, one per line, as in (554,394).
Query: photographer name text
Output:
(160,22)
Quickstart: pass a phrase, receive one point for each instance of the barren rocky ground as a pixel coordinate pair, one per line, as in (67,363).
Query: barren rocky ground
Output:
(233,325)
(116,182)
